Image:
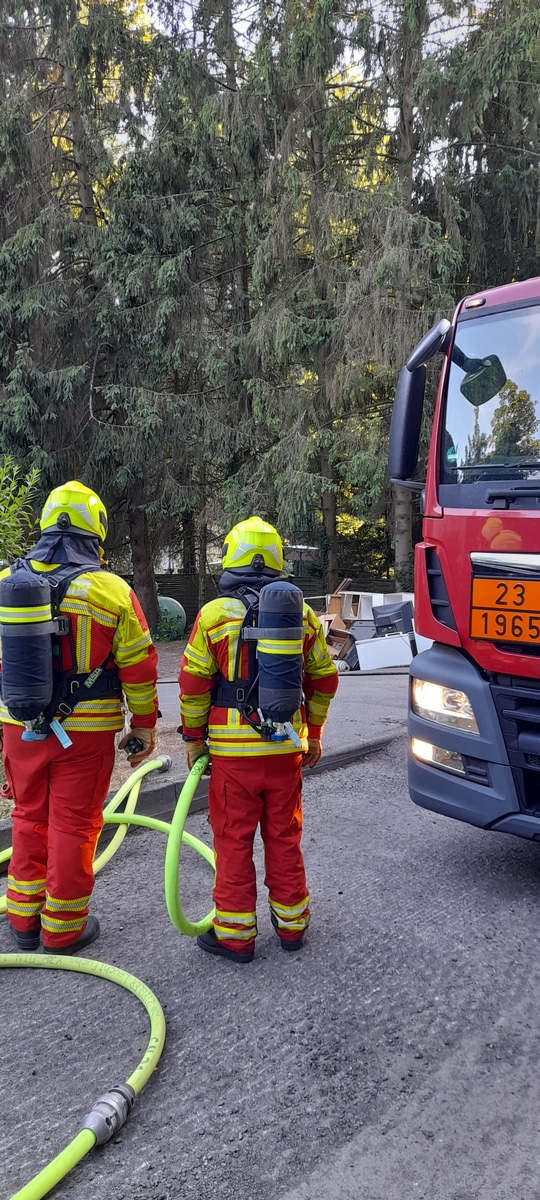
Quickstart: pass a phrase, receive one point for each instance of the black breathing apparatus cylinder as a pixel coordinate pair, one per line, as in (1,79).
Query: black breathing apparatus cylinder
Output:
(36,689)
(280,639)
(26,629)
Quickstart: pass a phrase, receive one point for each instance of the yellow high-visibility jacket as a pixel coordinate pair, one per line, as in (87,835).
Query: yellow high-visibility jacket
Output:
(212,649)
(106,618)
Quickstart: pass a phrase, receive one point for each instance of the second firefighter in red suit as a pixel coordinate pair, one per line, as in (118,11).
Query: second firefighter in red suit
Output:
(59,792)
(253,782)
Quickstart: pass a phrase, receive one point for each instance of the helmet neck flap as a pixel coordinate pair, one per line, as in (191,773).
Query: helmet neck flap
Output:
(236,578)
(71,548)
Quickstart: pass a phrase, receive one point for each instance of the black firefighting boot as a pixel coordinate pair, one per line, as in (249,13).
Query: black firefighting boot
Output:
(209,942)
(291,943)
(28,942)
(89,934)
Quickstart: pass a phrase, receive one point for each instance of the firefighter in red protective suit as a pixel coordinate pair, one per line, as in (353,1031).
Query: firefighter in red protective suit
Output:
(253,781)
(105,652)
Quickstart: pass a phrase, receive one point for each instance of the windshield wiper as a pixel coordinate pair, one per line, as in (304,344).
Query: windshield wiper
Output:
(496,466)
(501,497)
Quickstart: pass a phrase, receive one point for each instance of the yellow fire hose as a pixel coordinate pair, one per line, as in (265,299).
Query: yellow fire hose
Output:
(111,1110)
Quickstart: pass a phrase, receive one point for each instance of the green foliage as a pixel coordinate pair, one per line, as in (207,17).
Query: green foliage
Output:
(169,628)
(17,494)
(516,411)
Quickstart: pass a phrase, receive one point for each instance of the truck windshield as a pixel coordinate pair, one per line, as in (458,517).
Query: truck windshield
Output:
(492,417)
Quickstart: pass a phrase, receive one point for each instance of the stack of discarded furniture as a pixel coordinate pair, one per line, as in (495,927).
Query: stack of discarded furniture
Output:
(367,631)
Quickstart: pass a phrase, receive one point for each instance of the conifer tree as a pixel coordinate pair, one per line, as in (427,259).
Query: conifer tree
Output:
(73,79)
(514,424)
(325,126)
(478,100)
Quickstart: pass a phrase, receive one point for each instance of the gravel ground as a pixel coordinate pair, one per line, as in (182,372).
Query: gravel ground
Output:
(169,655)
(394,1057)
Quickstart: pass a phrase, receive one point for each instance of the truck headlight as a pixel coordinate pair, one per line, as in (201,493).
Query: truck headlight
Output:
(447,760)
(445,705)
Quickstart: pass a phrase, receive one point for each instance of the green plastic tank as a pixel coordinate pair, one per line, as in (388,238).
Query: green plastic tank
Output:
(174,614)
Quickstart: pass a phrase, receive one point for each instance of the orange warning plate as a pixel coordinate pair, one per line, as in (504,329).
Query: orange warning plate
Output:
(506,610)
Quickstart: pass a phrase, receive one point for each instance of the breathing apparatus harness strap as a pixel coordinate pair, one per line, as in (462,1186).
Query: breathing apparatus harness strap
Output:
(239,692)
(102,683)
(71,687)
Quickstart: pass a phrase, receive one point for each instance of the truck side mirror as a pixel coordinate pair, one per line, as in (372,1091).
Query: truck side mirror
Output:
(406,422)
(409,404)
(436,341)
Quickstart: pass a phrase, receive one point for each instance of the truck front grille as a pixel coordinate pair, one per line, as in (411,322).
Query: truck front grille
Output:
(518,706)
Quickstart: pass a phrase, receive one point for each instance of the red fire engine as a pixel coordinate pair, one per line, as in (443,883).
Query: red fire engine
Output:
(474,712)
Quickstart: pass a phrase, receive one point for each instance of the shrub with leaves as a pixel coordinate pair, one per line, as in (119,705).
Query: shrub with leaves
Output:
(169,628)
(17,492)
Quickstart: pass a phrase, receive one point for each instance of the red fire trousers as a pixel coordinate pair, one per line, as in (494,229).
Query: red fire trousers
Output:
(244,793)
(57,819)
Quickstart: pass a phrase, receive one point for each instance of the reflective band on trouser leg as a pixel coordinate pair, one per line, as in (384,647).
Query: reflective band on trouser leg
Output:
(292,919)
(34,888)
(62,925)
(64,916)
(240,928)
(25,899)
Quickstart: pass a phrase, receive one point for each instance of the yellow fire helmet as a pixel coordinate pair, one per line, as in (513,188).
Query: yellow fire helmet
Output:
(74,506)
(253,543)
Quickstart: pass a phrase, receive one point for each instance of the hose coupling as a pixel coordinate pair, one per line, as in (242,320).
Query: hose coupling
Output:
(110,1112)
(166,763)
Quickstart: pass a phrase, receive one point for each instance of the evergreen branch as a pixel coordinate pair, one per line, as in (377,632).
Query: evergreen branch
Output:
(487,145)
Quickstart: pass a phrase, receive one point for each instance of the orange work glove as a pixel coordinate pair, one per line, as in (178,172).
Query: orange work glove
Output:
(193,751)
(313,752)
(148,739)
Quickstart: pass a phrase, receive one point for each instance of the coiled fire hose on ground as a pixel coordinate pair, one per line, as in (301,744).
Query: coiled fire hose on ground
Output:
(111,1110)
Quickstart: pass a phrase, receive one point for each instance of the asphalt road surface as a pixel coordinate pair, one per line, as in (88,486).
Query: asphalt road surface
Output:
(394,1057)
